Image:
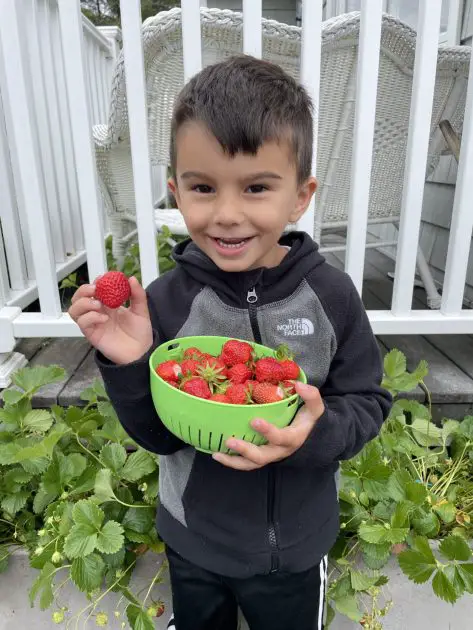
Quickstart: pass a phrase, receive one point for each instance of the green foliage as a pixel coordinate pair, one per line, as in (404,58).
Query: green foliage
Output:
(77,493)
(410,485)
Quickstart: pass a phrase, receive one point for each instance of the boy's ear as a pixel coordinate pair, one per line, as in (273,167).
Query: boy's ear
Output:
(172,185)
(304,195)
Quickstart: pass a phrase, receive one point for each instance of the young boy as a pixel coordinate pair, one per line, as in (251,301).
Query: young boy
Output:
(250,531)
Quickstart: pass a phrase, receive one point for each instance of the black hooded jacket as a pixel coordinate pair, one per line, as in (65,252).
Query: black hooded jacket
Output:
(283,516)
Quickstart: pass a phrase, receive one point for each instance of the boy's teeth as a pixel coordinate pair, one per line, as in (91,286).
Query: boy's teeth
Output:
(232,244)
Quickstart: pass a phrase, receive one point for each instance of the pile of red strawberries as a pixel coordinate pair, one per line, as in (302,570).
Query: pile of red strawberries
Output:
(236,376)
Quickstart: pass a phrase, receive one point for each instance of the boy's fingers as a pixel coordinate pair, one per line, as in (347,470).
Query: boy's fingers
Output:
(85,290)
(274,435)
(85,305)
(238,463)
(313,407)
(91,319)
(138,298)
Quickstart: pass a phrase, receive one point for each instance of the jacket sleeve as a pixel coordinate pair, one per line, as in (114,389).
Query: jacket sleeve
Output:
(355,403)
(128,387)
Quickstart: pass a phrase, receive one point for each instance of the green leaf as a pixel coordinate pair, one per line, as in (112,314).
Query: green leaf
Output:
(139,618)
(106,409)
(455,548)
(374,533)
(44,584)
(115,560)
(139,519)
(416,493)
(444,588)
(81,541)
(361,581)
(11,396)
(375,556)
(103,485)
(348,606)
(466,573)
(8,453)
(425,523)
(88,514)
(416,566)
(86,482)
(14,478)
(399,518)
(42,499)
(138,465)
(13,503)
(38,421)
(446,511)
(422,545)
(74,466)
(110,538)
(394,363)
(449,427)
(426,432)
(113,456)
(30,379)
(466,427)
(87,573)
(397,484)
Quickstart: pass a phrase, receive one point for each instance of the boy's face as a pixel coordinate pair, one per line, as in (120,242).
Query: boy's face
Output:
(236,208)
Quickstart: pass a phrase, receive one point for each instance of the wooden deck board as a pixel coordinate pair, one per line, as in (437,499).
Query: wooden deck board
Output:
(66,352)
(86,373)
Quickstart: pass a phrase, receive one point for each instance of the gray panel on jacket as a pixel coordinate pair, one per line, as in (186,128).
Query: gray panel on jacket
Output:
(174,471)
(300,322)
(210,316)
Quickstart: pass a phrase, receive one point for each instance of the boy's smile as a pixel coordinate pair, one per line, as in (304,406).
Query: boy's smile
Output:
(236,208)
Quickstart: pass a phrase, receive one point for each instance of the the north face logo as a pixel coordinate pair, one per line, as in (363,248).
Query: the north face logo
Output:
(297,327)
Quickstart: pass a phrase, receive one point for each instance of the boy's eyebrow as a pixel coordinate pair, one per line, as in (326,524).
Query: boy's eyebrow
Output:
(261,175)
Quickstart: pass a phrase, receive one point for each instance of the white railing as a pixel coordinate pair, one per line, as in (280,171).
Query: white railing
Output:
(40,210)
(32,214)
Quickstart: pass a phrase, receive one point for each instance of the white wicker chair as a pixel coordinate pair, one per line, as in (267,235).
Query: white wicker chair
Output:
(222,33)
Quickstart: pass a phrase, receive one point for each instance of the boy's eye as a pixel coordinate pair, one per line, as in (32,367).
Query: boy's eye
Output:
(203,189)
(257,188)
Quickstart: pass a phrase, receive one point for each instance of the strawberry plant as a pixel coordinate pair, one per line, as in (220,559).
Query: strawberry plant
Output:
(79,495)
(409,488)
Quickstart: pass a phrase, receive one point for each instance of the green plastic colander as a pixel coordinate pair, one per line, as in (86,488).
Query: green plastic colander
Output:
(206,424)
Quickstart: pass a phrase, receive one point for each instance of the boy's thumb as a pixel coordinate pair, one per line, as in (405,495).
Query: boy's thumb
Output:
(314,405)
(138,298)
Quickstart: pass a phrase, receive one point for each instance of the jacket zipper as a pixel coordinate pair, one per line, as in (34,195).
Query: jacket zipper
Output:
(252,299)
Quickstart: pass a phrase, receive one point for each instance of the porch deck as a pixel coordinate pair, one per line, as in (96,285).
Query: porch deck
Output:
(450,357)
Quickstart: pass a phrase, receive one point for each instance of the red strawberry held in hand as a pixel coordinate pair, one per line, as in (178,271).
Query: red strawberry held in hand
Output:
(234,351)
(112,289)
(268,370)
(196,386)
(264,393)
(169,371)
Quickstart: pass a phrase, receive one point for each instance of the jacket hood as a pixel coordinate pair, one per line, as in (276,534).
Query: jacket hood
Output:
(272,283)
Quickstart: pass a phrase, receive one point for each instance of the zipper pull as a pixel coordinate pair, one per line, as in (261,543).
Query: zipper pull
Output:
(252,296)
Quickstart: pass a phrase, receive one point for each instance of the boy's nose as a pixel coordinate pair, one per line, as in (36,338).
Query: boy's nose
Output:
(228,212)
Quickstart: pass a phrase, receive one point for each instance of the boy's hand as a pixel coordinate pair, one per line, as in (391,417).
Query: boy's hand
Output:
(281,442)
(124,334)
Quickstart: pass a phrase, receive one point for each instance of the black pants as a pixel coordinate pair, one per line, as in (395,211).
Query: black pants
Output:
(280,601)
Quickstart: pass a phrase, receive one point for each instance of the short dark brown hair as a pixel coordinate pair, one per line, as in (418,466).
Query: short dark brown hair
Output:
(245,102)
